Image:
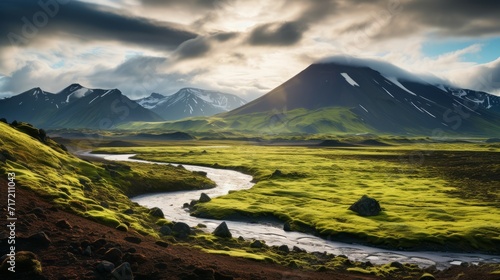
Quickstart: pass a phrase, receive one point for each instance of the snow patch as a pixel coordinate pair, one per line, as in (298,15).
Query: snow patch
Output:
(388,92)
(107,92)
(416,107)
(395,81)
(93,99)
(441,87)
(363,107)
(428,113)
(349,80)
(20,103)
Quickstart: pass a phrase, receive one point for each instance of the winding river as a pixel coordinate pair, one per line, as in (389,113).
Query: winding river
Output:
(272,232)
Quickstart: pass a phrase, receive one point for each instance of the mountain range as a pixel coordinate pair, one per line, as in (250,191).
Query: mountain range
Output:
(357,96)
(74,107)
(191,102)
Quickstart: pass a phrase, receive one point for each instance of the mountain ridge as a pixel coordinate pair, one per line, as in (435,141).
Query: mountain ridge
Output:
(191,102)
(74,106)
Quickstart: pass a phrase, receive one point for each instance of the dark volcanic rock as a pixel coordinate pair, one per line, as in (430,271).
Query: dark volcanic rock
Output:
(257,244)
(204,198)
(123,272)
(113,255)
(366,206)
(63,224)
(133,239)
(222,231)
(40,239)
(156,212)
(165,230)
(284,248)
(105,267)
(181,230)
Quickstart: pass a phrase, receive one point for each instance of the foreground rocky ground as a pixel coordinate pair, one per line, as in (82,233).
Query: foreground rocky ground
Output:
(53,244)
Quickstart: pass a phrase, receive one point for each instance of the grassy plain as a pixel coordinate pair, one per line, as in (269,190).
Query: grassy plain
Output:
(435,196)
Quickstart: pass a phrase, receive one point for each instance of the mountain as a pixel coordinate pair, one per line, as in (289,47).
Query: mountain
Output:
(354,96)
(74,107)
(191,102)
(380,98)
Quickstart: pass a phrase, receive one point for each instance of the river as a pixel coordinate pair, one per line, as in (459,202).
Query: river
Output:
(272,232)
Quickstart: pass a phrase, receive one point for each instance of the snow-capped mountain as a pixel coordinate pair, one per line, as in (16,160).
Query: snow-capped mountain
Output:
(191,102)
(376,97)
(74,107)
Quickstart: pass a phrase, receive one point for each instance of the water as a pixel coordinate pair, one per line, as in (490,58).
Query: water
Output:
(272,232)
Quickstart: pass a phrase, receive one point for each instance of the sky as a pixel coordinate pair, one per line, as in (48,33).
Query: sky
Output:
(244,47)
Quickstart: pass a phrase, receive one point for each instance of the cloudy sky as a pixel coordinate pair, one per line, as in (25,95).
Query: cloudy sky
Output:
(245,47)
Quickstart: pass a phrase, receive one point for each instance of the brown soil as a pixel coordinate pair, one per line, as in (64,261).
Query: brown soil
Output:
(64,258)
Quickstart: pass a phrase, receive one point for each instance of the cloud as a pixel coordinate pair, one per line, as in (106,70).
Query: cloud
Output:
(25,22)
(484,77)
(193,48)
(277,34)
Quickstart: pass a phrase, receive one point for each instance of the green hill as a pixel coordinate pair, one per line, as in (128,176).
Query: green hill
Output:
(98,191)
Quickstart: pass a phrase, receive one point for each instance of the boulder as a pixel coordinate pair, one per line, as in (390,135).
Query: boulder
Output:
(284,249)
(162,244)
(366,206)
(257,244)
(156,212)
(27,266)
(222,231)
(133,239)
(427,276)
(181,230)
(40,239)
(105,267)
(204,198)
(63,224)
(165,230)
(113,255)
(287,226)
(123,272)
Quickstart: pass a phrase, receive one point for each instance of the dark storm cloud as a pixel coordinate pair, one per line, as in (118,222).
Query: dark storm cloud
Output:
(291,32)
(458,17)
(193,48)
(25,21)
(191,4)
(277,34)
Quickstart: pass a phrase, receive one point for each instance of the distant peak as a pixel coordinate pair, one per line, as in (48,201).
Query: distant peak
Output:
(156,95)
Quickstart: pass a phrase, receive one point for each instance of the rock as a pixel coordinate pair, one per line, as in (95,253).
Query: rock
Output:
(156,212)
(427,276)
(181,230)
(113,255)
(87,252)
(298,250)
(287,226)
(27,266)
(201,173)
(257,244)
(162,243)
(284,248)
(122,227)
(133,239)
(63,224)
(277,173)
(105,267)
(204,198)
(222,231)
(129,211)
(99,243)
(135,258)
(366,206)
(123,272)
(165,230)
(240,238)
(185,205)
(397,265)
(40,239)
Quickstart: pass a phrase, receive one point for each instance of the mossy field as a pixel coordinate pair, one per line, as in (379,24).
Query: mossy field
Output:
(434,196)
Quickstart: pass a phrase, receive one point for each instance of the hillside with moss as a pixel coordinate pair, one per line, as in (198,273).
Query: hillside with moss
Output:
(98,191)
